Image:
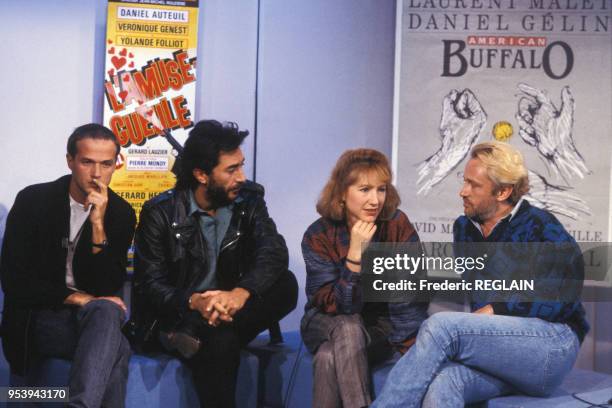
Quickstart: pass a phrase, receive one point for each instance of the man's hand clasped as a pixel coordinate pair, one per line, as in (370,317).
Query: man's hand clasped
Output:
(217,306)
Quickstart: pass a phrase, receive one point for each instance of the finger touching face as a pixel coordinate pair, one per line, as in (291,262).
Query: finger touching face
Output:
(93,163)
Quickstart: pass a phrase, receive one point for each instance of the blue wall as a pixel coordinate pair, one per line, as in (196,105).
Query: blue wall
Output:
(324,85)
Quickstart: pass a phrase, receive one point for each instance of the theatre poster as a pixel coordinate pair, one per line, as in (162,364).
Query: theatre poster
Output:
(149,85)
(533,73)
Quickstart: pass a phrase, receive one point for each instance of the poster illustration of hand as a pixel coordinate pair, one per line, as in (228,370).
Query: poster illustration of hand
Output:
(535,74)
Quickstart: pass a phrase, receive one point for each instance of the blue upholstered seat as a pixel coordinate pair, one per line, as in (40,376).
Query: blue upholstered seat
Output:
(281,376)
(156,380)
(591,386)
(277,363)
(587,385)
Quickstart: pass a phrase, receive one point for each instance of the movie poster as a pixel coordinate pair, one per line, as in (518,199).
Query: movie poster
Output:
(149,87)
(532,73)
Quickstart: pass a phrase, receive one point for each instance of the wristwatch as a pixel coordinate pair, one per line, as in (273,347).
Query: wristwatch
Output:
(101,245)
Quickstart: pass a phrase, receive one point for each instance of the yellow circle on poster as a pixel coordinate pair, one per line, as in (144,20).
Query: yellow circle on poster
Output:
(502,131)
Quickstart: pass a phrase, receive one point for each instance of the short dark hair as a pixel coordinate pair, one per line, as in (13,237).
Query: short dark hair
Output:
(202,148)
(90,131)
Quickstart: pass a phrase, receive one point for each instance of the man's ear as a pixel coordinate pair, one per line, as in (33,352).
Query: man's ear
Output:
(200,175)
(503,193)
(69,161)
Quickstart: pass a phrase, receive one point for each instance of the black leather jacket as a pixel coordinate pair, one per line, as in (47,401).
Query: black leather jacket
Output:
(171,257)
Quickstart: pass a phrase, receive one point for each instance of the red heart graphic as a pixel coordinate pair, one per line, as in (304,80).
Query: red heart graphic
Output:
(110,41)
(111,72)
(123,52)
(123,94)
(126,78)
(139,101)
(131,64)
(118,62)
(111,50)
(150,113)
(131,55)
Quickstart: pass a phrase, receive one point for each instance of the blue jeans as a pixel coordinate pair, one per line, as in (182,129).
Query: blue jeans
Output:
(462,358)
(91,337)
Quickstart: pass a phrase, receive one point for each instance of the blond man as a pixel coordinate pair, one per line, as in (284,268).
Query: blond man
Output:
(502,346)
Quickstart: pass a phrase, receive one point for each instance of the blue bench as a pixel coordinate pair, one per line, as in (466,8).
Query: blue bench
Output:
(281,376)
(156,380)
(596,388)
(285,380)
(285,376)
(277,363)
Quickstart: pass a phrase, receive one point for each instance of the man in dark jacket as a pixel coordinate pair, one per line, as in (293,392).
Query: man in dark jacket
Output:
(211,270)
(63,263)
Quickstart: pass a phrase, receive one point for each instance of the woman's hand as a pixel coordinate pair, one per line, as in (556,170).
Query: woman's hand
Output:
(361,234)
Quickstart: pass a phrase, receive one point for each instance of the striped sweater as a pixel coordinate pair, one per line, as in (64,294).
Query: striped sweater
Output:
(332,288)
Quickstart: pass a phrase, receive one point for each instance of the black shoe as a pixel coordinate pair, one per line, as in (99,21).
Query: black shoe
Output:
(183,343)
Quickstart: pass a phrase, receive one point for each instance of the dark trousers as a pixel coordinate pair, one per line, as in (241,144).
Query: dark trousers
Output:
(91,337)
(345,346)
(215,366)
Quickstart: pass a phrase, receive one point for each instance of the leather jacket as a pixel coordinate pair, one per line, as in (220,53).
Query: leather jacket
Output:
(171,258)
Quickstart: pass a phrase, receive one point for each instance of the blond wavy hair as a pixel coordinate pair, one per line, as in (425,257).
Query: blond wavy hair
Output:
(349,167)
(505,167)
